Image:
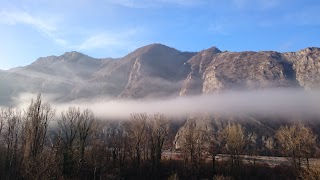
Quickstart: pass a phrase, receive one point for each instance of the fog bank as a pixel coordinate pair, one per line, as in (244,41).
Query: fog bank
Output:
(264,102)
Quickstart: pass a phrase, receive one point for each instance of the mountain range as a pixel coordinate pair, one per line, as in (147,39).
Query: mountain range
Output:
(159,71)
(156,70)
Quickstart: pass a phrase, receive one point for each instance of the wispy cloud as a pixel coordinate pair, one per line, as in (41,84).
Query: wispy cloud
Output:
(240,3)
(3,67)
(285,46)
(20,17)
(260,4)
(101,40)
(48,27)
(267,4)
(115,42)
(218,27)
(184,2)
(155,3)
(308,16)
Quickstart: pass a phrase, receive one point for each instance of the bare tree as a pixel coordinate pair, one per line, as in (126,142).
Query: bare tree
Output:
(234,139)
(68,132)
(2,119)
(11,127)
(158,131)
(118,141)
(75,128)
(213,149)
(137,130)
(194,146)
(68,127)
(85,128)
(297,142)
(11,135)
(36,121)
(98,156)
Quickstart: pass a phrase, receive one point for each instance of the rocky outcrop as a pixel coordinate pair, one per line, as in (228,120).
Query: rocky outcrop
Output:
(237,70)
(246,70)
(157,72)
(192,85)
(306,64)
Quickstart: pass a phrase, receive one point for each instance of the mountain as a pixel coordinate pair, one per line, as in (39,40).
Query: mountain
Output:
(159,71)
(69,67)
(156,70)
(53,74)
(151,71)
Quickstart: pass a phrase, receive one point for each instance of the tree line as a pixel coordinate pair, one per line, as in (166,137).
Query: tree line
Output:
(38,144)
(76,145)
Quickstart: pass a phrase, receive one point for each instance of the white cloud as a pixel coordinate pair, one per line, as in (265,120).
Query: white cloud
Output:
(308,16)
(115,41)
(257,4)
(285,46)
(111,42)
(184,2)
(267,4)
(240,3)
(99,41)
(218,27)
(127,3)
(3,67)
(20,17)
(44,25)
(154,3)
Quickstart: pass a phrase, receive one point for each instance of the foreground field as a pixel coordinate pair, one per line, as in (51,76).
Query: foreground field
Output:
(271,161)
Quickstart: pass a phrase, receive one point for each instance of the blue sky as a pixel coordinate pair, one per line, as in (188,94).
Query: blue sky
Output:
(112,28)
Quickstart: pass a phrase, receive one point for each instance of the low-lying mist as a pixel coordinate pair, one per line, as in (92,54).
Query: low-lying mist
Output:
(265,102)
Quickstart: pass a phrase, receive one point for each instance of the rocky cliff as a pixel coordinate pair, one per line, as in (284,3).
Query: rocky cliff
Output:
(214,71)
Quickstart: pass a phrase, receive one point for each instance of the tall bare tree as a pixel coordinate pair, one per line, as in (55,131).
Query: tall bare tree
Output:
(158,131)
(75,128)
(297,142)
(68,127)
(98,156)
(194,146)
(118,141)
(68,132)
(11,134)
(2,119)
(234,139)
(137,132)
(85,129)
(36,121)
